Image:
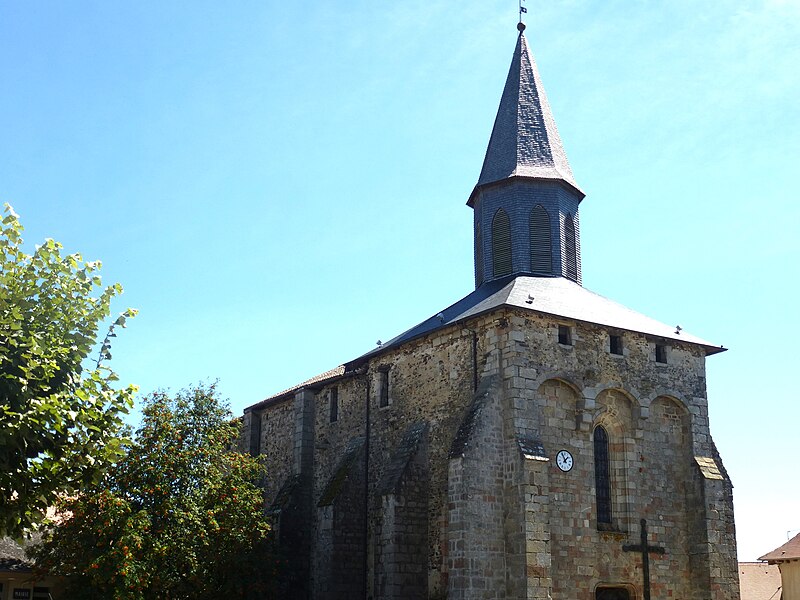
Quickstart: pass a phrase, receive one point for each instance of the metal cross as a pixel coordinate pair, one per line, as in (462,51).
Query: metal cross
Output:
(522,9)
(645,550)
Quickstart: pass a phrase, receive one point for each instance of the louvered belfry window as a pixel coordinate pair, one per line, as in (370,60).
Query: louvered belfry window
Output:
(501,244)
(602,475)
(478,254)
(541,243)
(570,249)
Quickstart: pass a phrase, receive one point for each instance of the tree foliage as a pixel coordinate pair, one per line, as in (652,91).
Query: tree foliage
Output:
(179,517)
(59,421)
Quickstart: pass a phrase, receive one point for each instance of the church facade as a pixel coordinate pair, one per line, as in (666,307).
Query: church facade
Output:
(532,440)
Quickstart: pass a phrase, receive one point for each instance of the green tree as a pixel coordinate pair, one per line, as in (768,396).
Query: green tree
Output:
(179,517)
(59,421)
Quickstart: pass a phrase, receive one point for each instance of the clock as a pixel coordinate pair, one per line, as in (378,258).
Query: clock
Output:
(564,460)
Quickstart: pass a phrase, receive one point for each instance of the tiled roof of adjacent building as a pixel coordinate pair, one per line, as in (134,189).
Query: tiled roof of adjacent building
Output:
(525,140)
(758,581)
(320,379)
(789,551)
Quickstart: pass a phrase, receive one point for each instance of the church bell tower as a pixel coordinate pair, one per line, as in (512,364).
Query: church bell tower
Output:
(526,200)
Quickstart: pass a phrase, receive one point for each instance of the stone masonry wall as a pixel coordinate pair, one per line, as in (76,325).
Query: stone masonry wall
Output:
(543,539)
(402,561)
(338,572)
(655,415)
(430,380)
(276,445)
(476,519)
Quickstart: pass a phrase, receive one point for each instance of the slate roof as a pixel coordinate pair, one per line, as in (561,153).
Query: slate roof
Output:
(789,551)
(555,296)
(12,557)
(524,140)
(532,449)
(758,581)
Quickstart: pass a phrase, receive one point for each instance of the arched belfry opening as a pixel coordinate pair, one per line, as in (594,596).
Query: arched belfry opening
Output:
(526,187)
(541,241)
(570,249)
(501,244)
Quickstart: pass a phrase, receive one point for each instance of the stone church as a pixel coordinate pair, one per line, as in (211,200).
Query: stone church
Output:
(532,440)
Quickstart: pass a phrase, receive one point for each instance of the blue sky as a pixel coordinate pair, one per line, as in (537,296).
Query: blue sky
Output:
(279,185)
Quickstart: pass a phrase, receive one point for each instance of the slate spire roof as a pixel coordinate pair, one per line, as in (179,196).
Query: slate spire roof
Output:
(525,140)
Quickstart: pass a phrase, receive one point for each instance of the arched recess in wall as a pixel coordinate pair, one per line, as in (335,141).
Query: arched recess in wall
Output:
(670,483)
(612,437)
(558,402)
(570,248)
(541,241)
(669,437)
(501,244)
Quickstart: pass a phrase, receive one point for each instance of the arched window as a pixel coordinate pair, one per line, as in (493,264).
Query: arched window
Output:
(478,255)
(501,244)
(570,249)
(541,244)
(602,476)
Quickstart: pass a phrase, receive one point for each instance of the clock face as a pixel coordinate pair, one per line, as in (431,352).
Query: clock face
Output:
(564,460)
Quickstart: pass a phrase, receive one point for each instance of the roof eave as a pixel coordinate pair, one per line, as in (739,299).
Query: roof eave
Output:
(365,358)
(289,394)
(489,184)
(707,347)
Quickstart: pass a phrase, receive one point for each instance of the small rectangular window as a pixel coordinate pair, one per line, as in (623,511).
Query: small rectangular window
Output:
(333,397)
(615,344)
(661,353)
(564,335)
(384,386)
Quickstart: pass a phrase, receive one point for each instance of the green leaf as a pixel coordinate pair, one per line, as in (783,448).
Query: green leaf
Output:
(56,419)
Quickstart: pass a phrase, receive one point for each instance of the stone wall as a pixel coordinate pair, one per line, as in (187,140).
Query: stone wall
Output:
(339,549)
(477,507)
(402,550)
(656,418)
(518,199)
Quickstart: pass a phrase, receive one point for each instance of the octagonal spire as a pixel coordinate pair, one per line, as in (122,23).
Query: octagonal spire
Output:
(525,140)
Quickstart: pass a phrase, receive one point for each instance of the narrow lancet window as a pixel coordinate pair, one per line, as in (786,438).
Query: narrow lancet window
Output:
(383,392)
(334,404)
(602,476)
(570,249)
(541,242)
(255,433)
(501,244)
(661,353)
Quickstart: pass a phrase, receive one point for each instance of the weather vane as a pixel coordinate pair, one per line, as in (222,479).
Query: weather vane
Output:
(522,11)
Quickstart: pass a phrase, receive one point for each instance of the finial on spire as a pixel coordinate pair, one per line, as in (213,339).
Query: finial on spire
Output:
(522,10)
